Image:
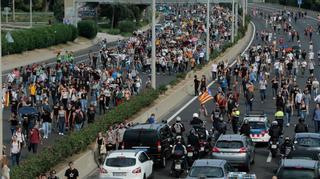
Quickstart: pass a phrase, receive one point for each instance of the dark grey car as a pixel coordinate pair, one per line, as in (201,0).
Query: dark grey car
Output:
(306,146)
(298,169)
(210,169)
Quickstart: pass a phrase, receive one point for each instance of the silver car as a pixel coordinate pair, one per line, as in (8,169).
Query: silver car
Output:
(209,169)
(237,149)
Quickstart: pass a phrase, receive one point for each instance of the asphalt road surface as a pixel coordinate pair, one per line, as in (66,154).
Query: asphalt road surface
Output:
(264,165)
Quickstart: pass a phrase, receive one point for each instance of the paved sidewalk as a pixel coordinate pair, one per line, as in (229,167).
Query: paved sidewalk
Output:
(10,62)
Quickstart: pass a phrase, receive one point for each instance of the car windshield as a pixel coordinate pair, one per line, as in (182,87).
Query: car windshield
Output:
(229,144)
(120,162)
(257,125)
(308,142)
(206,171)
(297,173)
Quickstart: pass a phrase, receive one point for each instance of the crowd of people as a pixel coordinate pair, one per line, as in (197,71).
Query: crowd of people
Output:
(41,100)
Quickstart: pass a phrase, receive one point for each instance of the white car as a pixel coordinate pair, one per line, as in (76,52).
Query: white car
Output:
(127,164)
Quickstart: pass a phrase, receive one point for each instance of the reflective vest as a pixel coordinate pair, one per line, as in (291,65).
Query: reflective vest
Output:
(279,115)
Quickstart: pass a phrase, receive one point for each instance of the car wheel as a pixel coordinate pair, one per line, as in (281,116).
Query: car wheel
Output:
(163,162)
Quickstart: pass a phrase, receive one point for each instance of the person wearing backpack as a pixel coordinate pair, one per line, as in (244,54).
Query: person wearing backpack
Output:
(178,127)
(78,119)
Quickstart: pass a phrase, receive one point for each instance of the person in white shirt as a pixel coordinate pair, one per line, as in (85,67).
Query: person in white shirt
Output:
(214,68)
(315,87)
(298,101)
(263,87)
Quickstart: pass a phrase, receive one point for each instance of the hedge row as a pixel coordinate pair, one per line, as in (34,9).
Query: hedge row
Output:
(76,142)
(38,37)
(79,141)
(88,28)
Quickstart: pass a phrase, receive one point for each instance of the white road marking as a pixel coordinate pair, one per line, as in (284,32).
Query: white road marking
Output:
(269,157)
(194,98)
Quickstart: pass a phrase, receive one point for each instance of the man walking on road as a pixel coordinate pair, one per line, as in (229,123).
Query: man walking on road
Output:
(316,118)
(196,85)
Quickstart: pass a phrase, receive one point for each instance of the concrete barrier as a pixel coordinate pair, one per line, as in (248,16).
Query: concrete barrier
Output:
(170,101)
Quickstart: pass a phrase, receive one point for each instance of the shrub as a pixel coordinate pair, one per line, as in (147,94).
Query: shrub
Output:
(38,37)
(113,31)
(87,28)
(127,26)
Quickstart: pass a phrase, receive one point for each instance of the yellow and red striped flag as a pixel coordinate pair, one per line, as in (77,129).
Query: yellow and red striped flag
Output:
(205,97)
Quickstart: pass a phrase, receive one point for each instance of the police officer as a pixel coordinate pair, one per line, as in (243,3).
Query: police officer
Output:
(221,128)
(181,148)
(275,131)
(235,119)
(301,126)
(245,128)
(193,139)
(285,146)
(178,127)
(196,120)
(279,116)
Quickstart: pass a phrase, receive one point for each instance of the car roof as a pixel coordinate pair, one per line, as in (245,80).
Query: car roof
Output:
(125,153)
(300,163)
(307,134)
(232,137)
(256,118)
(209,162)
(156,126)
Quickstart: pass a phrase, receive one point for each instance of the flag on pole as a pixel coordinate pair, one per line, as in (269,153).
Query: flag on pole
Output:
(205,97)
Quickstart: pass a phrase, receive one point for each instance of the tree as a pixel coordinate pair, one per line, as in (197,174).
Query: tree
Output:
(58,9)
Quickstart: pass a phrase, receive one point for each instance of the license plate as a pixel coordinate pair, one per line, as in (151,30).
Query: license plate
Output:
(119,174)
(273,146)
(201,149)
(190,154)
(177,167)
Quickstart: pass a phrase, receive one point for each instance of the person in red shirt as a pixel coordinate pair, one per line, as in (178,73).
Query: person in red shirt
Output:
(34,139)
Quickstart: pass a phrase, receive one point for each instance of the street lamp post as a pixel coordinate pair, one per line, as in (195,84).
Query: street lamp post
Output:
(208,31)
(232,23)
(236,18)
(30,13)
(13,10)
(1,104)
(153,43)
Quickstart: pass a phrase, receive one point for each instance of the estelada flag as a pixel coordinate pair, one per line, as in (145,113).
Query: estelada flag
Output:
(205,97)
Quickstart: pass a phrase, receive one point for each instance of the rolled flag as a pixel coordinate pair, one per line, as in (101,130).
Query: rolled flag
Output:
(205,97)
(7,99)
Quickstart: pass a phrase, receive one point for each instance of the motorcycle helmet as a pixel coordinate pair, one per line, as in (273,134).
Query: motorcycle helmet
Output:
(301,120)
(178,119)
(274,123)
(195,115)
(287,139)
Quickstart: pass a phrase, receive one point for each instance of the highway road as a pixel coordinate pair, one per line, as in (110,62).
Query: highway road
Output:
(264,165)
